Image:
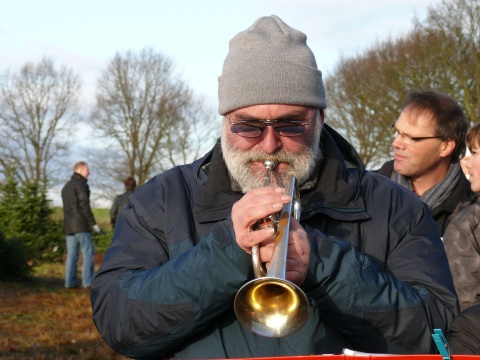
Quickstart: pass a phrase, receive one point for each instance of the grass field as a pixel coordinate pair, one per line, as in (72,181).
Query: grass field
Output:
(102,216)
(41,320)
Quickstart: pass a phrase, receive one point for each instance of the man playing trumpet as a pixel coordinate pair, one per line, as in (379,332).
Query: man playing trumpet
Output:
(366,252)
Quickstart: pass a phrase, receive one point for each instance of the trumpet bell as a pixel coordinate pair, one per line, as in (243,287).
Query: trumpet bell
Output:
(271,307)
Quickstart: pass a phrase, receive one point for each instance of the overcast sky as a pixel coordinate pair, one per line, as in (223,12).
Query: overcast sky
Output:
(194,34)
(86,34)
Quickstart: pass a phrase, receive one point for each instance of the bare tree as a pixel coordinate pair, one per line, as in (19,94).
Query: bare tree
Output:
(365,92)
(146,111)
(457,25)
(37,105)
(194,132)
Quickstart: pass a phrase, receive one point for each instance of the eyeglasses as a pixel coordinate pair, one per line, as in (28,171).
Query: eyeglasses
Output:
(252,128)
(407,139)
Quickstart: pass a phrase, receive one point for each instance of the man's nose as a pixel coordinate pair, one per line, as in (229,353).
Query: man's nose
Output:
(270,141)
(398,142)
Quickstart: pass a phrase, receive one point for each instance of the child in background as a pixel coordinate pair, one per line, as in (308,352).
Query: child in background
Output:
(462,244)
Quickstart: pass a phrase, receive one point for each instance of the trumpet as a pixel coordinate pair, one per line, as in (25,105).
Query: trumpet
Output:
(270,305)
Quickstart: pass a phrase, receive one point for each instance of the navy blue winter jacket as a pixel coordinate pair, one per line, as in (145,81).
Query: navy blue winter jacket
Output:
(378,278)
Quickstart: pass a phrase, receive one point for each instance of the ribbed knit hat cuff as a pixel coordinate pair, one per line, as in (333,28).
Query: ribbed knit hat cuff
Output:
(271,82)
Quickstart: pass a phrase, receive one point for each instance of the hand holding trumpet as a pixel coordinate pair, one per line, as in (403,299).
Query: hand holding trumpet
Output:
(258,204)
(272,304)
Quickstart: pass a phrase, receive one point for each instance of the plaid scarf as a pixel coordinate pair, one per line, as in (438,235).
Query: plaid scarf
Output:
(438,193)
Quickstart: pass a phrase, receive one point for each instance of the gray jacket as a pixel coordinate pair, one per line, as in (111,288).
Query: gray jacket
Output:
(118,204)
(462,244)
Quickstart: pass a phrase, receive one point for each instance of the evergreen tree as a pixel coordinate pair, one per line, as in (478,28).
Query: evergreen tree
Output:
(25,216)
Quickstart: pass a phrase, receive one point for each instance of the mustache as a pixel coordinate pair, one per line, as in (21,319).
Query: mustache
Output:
(280,156)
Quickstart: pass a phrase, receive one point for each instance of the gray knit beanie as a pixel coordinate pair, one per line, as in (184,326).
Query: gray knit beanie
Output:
(270,63)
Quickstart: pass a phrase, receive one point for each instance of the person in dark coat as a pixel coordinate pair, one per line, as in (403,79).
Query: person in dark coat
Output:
(79,222)
(462,244)
(121,200)
(183,246)
(462,236)
(428,142)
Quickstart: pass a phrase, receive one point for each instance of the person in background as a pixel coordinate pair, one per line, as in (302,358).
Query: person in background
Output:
(79,223)
(462,244)
(121,200)
(428,141)
(183,246)
(463,160)
(462,236)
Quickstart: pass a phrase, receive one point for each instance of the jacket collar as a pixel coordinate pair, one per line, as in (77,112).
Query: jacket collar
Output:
(337,192)
(78,176)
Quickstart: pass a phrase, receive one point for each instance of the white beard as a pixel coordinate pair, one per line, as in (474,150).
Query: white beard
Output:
(300,164)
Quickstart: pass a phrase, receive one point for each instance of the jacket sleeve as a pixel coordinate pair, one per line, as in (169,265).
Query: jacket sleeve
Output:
(83,202)
(462,244)
(146,302)
(385,310)
(114,211)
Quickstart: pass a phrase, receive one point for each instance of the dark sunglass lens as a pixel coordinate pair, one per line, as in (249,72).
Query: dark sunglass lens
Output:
(246,130)
(290,130)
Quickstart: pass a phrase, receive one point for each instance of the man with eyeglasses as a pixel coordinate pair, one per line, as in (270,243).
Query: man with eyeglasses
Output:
(182,248)
(428,143)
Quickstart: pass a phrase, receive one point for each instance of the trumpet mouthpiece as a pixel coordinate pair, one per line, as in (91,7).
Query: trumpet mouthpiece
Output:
(269,164)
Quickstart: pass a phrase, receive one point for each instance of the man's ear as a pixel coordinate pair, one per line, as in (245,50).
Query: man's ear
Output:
(322,116)
(448,147)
